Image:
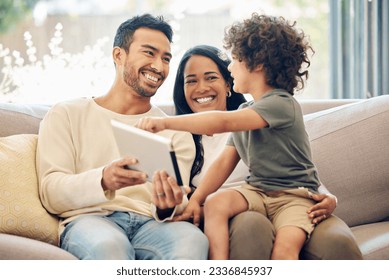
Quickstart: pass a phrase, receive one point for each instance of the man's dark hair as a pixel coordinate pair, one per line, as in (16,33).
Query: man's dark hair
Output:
(125,31)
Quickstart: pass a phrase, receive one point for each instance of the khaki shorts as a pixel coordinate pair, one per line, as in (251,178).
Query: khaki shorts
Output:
(283,208)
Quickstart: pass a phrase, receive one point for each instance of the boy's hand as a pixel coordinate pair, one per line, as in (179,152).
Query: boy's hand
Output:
(192,211)
(154,124)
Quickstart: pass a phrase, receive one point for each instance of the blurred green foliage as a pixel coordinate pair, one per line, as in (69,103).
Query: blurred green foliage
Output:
(12,11)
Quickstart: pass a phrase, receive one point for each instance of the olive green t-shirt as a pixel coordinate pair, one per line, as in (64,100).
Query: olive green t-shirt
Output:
(278,156)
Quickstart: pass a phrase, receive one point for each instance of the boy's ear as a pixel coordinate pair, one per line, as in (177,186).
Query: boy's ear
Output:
(259,68)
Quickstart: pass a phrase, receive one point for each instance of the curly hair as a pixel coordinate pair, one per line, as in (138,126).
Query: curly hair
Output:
(275,43)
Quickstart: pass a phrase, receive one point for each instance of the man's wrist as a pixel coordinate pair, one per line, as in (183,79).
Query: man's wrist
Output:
(164,213)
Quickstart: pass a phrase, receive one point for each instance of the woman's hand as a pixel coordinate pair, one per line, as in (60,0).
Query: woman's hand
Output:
(326,204)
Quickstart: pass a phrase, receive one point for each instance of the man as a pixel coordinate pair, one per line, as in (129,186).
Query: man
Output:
(106,209)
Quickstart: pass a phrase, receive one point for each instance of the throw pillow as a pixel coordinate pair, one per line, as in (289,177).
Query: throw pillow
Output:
(21,211)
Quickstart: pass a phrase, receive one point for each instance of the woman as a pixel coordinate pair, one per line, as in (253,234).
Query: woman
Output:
(203,83)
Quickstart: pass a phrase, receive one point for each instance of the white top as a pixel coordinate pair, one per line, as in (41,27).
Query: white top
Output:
(213,146)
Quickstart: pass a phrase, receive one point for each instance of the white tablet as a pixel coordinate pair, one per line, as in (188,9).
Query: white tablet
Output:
(152,151)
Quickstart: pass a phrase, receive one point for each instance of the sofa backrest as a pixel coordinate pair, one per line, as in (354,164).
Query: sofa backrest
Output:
(310,106)
(20,118)
(25,118)
(350,147)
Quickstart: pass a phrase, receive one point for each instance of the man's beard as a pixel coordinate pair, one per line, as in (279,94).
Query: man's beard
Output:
(131,79)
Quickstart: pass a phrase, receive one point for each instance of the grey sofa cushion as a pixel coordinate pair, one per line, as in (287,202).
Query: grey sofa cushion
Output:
(351,150)
(20,119)
(20,248)
(310,106)
(373,240)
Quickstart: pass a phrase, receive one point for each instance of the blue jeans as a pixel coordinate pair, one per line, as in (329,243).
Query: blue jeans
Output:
(130,236)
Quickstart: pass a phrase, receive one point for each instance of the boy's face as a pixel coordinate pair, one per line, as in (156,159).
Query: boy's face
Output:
(241,75)
(146,65)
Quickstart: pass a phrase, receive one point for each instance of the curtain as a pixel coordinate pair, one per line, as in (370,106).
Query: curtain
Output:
(359,48)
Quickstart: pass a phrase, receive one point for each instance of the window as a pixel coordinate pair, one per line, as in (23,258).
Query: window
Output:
(63,50)
(359,48)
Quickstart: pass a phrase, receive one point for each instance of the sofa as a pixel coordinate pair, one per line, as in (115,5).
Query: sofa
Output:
(350,147)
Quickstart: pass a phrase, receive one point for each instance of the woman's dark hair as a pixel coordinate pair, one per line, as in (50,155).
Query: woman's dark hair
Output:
(181,105)
(125,31)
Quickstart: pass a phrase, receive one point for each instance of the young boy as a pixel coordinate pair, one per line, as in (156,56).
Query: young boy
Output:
(268,134)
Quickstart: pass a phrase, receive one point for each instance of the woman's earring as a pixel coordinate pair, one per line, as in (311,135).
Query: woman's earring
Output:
(229,93)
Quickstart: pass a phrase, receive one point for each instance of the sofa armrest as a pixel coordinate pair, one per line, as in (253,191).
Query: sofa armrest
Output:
(14,247)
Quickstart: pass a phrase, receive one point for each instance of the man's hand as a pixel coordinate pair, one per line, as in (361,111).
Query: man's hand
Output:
(166,192)
(117,175)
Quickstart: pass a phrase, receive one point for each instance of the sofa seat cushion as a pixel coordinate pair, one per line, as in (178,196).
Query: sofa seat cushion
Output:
(373,240)
(21,211)
(350,148)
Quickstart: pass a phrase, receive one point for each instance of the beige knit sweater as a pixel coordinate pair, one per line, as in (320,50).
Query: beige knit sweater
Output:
(75,143)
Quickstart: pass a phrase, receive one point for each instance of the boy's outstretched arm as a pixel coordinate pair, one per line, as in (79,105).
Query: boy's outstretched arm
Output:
(207,123)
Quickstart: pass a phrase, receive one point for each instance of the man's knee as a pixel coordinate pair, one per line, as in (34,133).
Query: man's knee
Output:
(90,237)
